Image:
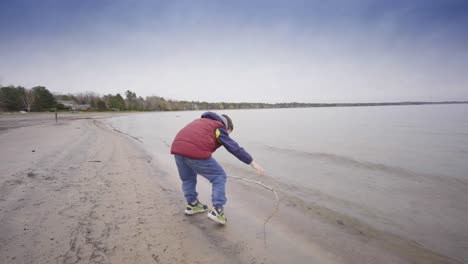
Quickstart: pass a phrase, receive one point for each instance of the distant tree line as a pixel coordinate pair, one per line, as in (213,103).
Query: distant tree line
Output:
(39,99)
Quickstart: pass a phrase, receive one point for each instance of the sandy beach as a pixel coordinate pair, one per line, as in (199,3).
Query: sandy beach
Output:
(78,191)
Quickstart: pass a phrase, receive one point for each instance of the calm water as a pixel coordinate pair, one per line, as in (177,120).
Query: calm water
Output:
(402,169)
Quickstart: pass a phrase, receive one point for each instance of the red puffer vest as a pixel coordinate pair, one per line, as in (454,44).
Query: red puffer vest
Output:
(197,140)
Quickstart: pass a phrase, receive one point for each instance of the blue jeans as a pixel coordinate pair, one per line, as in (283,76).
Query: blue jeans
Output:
(208,168)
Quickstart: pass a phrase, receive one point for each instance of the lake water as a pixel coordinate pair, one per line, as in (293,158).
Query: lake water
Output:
(400,169)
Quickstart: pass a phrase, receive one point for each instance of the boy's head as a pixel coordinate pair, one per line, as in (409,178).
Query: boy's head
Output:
(230,126)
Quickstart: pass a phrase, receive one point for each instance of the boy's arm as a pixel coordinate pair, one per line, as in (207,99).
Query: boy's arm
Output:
(236,150)
(232,146)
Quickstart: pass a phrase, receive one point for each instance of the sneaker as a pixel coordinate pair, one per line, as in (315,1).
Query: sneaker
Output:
(217,215)
(195,208)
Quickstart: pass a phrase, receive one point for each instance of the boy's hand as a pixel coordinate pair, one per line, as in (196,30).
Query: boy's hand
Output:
(258,168)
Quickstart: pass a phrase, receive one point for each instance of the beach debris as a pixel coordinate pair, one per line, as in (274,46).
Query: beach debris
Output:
(275,209)
(167,144)
(123,133)
(156,258)
(31,175)
(340,222)
(33,150)
(94,161)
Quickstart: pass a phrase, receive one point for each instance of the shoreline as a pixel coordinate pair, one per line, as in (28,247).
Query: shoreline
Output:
(77,192)
(88,194)
(17,120)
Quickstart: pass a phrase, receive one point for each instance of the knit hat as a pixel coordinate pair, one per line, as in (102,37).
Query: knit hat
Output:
(227,122)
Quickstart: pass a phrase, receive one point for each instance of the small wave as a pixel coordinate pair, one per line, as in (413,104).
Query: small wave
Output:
(351,162)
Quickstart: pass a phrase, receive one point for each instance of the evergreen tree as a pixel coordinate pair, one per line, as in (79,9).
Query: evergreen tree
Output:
(44,100)
(10,98)
(116,102)
(101,105)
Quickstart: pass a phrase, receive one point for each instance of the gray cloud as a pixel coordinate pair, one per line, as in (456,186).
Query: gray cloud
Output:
(191,58)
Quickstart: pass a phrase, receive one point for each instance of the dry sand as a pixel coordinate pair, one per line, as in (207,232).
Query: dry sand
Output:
(77,191)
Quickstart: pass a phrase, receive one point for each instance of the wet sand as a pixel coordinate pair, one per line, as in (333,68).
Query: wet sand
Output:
(78,191)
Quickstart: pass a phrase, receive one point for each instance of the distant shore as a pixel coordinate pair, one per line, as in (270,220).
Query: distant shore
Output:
(193,106)
(384,104)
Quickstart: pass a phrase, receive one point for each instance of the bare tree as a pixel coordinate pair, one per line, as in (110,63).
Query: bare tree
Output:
(87,97)
(27,97)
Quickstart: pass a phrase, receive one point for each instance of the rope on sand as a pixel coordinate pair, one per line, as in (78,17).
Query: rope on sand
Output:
(276,201)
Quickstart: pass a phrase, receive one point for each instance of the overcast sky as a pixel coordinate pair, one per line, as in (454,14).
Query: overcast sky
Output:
(240,51)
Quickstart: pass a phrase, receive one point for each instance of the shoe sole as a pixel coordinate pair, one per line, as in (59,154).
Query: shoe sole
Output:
(191,212)
(214,218)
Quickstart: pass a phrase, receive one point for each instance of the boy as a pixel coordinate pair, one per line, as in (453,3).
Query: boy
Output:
(192,149)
